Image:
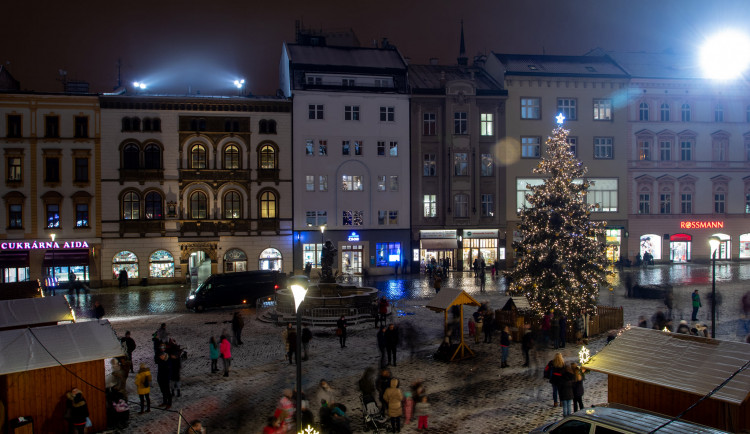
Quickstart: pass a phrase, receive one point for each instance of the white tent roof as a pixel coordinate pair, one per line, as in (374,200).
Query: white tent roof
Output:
(33,348)
(31,311)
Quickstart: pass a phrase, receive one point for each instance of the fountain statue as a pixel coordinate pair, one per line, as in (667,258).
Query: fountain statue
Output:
(327,260)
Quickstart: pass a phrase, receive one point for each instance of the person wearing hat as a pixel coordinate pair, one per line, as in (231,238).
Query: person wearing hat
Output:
(696,305)
(143,384)
(683,327)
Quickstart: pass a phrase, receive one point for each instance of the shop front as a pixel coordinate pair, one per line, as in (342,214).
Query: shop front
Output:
(56,261)
(481,244)
(438,245)
(613,237)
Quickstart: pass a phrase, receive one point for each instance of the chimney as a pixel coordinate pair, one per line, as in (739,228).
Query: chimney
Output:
(433,60)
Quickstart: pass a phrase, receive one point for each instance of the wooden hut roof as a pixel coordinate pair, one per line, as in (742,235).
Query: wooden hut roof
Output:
(677,361)
(448,297)
(24,312)
(29,349)
(521,303)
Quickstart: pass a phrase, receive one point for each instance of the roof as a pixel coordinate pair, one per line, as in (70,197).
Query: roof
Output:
(29,349)
(448,297)
(682,362)
(434,77)
(575,66)
(31,311)
(350,57)
(521,303)
(658,65)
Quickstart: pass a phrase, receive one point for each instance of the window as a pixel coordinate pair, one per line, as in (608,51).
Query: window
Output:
(131,157)
(351,113)
(232,205)
(267,157)
(387,254)
(309,147)
(82,215)
(486,124)
(81,169)
(644,150)
(14,169)
(530,147)
(488,205)
(530,108)
(161,264)
(322,147)
(602,109)
(644,203)
(719,202)
(573,145)
(152,157)
(153,204)
(15,216)
(387,114)
(51,169)
(131,206)
(488,165)
(198,157)
(747,149)
(51,126)
(461,206)
(230,125)
(392,217)
(381,148)
(53,215)
(136,124)
(381,182)
(686,203)
(81,127)
(14,126)
(381,217)
(720,145)
(153,125)
(459,123)
(345,147)
(127,261)
(428,124)
(685,110)
(316,218)
(429,165)
(643,112)
(268,205)
(393,149)
(267,126)
(309,183)
(198,205)
(686,150)
(461,164)
(358,147)
(747,203)
(352,183)
(311,254)
(602,194)
(603,148)
(665,203)
(347,82)
(393,183)
(567,106)
(664,112)
(353,218)
(429,202)
(323,182)
(665,150)
(315,111)
(314,79)
(719,113)
(232,157)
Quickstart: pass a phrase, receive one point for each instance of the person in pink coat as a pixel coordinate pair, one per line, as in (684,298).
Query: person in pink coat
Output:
(225,351)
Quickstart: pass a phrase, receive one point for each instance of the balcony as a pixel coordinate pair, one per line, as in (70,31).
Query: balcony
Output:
(141,175)
(142,227)
(268,175)
(214,175)
(214,227)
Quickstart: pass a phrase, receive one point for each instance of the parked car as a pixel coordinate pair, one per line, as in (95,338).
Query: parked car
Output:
(232,289)
(617,418)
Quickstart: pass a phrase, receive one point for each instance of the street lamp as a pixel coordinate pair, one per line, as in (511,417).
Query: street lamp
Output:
(298,285)
(239,84)
(714,242)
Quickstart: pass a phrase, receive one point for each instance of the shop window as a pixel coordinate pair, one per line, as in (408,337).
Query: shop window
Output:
(270,259)
(235,261)
(680,248)
(651,243)
(745,246)
(311,254)
(127,261)
(387,254)
(161,264)
(725,246)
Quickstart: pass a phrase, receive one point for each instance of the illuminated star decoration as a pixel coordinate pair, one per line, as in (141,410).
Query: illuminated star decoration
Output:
(309,430)
(584,355)
(560,118)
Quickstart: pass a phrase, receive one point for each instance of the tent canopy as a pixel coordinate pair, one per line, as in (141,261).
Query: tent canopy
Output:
(448,297)
(34,311)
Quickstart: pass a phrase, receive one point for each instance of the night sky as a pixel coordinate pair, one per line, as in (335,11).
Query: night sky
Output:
(176,45)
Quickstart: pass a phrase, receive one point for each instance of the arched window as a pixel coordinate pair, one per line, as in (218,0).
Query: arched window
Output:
(267,157)
(643,112)
(725,246)
(146,124)
(131,206)
(152,157)
(127,261)
(231,157)
(161,264)
(198,205)
(198,157)
(131,157)
(271,128)
(156,125)
(126,124)
(664,112)
(136,123)
(270,259)
(235,260)
(154,206)
(263,126)
(719,113)
(686,114)
(232,205)
(268,205)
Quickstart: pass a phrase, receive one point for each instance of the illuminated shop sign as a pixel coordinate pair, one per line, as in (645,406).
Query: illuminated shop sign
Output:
(438,234)
(39,245)
(702,225)
(480,233)
(353,237)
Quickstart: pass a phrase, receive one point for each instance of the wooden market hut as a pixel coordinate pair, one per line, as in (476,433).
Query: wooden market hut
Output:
(516,312)
(34,312)
(668,372)
(443,302)
(34,383)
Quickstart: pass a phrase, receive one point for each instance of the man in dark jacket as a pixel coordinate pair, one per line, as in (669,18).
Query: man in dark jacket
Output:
(237,324)
(391,343)
(381,345)
(129,344)
(291,339)
(163,375)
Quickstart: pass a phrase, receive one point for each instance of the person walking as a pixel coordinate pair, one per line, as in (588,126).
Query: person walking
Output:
(163,376)
(479,325)
(578,377)
(306,338)
(489,327)
(291,339)
(482,279)
(422,412)
(408,407)
(393,398)
(527,342)
(213,353)
(225,352)
(77,411)
(391,343)
(237,324)
(382,311)
(367,385)
(341,330)
(505,339)
(554,371)
(143,383)
(696,304)
(382,345)
(437,284)
(129,344)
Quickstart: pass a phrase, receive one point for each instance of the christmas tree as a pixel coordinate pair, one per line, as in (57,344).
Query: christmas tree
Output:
(560,261)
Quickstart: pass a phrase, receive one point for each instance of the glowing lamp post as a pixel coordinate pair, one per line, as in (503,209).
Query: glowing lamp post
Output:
(726,55)
(714,242)
(239,84)
(298,285)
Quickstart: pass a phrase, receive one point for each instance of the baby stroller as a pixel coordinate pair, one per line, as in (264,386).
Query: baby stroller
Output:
(372,419)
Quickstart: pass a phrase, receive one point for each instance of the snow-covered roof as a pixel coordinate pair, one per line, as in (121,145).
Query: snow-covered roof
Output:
(427,77)
(32,311)
(576,66)
(448,297)
(350,57)
(33,348)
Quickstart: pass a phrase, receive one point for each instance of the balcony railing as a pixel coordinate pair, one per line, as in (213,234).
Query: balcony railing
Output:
(141,175)
(214,175)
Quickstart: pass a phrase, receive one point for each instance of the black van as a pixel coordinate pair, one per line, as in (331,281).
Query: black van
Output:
(232,289)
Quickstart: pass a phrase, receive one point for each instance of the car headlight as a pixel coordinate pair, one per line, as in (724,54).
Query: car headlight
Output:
(191,297)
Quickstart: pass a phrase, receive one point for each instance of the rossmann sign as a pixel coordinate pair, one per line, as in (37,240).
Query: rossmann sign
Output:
(702,225)
(39,245)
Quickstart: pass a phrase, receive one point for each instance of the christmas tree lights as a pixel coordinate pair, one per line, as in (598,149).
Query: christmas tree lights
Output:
(560,260)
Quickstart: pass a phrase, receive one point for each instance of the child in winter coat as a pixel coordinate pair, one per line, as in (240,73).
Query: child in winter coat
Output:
(143,384)
(422,411)
(578,372)
(472,327)
(213,352)
(408,407)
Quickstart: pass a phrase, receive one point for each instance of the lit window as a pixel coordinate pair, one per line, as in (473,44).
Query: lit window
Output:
(352,183)
(131,206)
(393,149)
(53,215)
(461,164)
(232,205)
(573,145)
(530,108)
(231,157)
(344,147)
(488,165)
(267,157)
(358,147)
(198,157)
(381,182)
(323,182)
(393,182)
(14,169)
(486,124)
(309,147)
(309,183)
(82,215)
(429,202)
(429,166)
(198,205)
(602,194)
(322,147)
(603,109)
(268,205)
